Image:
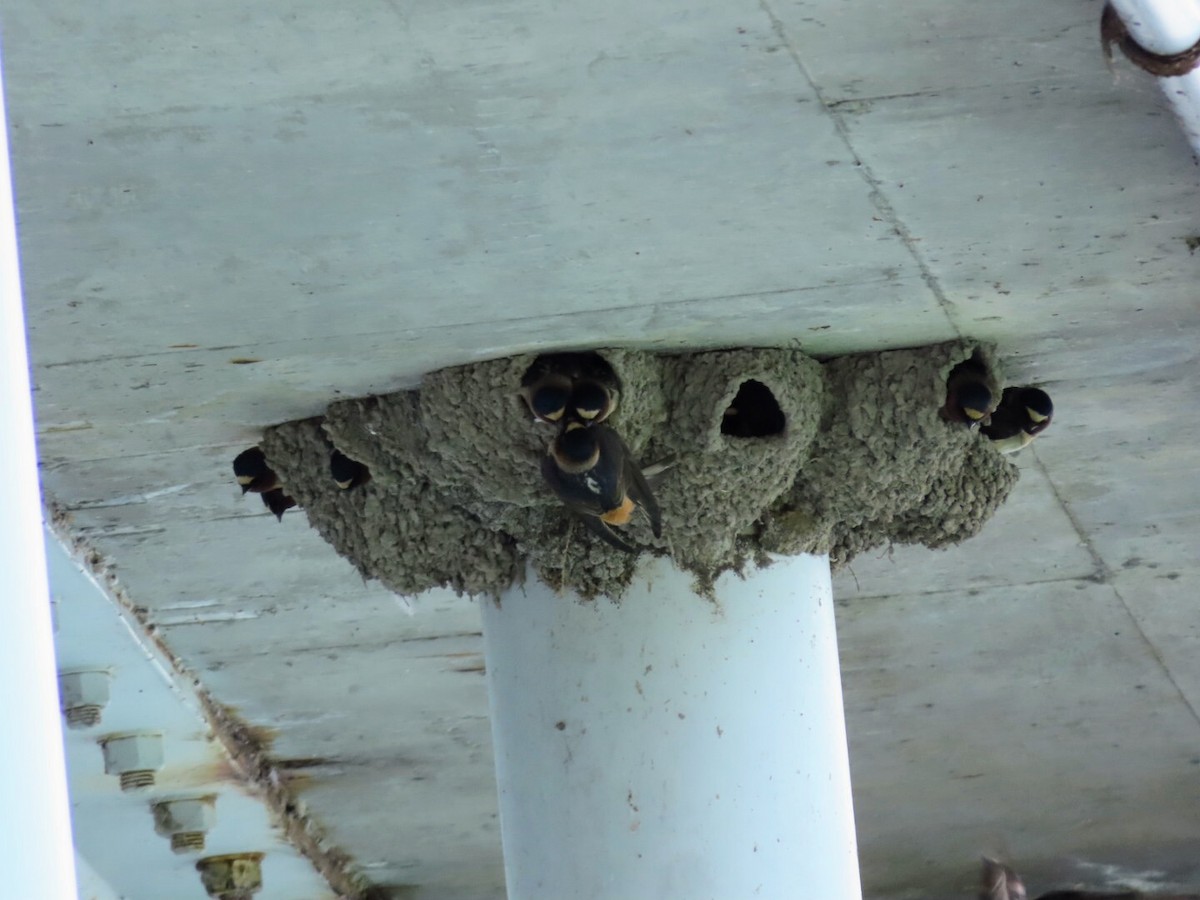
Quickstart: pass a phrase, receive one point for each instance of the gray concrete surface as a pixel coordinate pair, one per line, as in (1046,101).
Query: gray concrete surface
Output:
(231,215)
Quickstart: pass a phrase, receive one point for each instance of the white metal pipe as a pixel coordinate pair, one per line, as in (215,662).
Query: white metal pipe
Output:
(673,747)
(1165,27)
(1183,92)
(36,854)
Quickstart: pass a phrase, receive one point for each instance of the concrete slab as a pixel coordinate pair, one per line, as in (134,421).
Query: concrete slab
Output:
(1070,728)
(232,216)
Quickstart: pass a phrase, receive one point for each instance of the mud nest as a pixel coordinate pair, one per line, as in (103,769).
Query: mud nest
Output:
(773,453)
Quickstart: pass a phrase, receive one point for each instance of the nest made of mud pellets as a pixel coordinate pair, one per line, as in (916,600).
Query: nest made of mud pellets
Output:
(772,452)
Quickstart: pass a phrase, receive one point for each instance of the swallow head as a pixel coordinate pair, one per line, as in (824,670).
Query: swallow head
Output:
(592,402)
(548,397)
(975,402)
(346,472)
(249,464)
(576,449)
(1038,409)
(251,469)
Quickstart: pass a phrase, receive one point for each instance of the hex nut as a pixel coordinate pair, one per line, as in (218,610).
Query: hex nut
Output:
(83,694)
(185,821)
(134,757)
(233,876)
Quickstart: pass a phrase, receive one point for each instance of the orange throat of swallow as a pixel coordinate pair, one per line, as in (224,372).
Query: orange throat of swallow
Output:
(622,514)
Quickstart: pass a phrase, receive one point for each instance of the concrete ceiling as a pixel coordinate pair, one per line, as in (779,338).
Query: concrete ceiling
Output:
(231,215)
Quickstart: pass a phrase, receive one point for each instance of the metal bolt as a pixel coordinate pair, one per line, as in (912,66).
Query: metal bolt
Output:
(187,841)
(235,876)
(134,757)
(83,694)
(185,821)
(137,779)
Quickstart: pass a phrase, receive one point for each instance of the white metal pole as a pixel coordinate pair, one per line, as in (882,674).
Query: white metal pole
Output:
(36,854)
(1169,27)
(1165,27)
(1183,92)
(670,747)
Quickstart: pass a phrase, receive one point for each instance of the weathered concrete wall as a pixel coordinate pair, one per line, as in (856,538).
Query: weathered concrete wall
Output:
(457,496)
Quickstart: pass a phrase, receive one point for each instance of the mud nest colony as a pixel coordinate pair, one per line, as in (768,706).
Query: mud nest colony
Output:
(835,457)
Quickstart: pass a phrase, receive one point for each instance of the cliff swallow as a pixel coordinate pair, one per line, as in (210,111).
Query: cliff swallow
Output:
(546,390)
(252,472)
(597,389)
(971,394)
(277,502)
(346,472)
(1000,882)
(581,384)
(593,401)
(591,470)
(1023,414)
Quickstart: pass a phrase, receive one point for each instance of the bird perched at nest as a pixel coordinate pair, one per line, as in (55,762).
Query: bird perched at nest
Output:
(252,472)
(546,390)
(592,471)
(255,476)
(1023,414)
(580,385)
(593,400)
(347,473)
(971,393)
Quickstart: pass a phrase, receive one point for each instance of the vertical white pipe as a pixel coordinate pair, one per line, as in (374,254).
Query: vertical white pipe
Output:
(672,747)
(36,854)
(1165,27)
(1168,27)
(1183,92)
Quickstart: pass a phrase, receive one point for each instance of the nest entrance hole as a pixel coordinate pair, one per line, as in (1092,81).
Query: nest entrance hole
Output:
(754,413)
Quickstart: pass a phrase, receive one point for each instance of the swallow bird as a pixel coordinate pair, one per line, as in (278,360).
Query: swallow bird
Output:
(580,384)
(591,470)
(252,472)
(593,401)
(346,472)
(971,394)
(254,475)
(597,390)
(1023,414)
